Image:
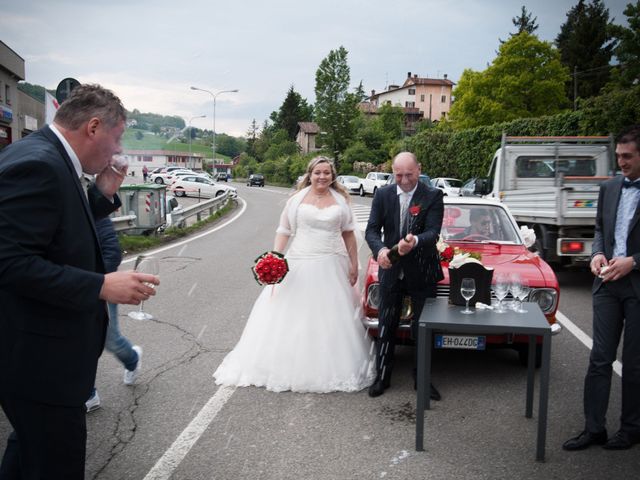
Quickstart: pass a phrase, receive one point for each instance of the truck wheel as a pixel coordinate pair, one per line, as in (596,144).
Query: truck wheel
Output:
(362,194)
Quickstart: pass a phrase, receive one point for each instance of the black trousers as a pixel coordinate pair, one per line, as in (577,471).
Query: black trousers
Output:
(389,317)
(48,442)
(615,307)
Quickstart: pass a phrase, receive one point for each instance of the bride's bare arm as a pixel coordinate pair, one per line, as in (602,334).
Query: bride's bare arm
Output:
(352,249)
(280,242)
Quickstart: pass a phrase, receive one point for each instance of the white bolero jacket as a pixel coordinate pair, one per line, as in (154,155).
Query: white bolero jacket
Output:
(288,217)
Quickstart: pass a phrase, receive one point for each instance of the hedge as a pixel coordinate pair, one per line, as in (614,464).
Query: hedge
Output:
(468,153)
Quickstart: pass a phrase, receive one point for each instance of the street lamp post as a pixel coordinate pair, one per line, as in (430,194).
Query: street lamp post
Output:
(214,95)
(191,133)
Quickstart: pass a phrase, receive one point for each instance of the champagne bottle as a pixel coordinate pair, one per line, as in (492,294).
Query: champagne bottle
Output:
(394,255)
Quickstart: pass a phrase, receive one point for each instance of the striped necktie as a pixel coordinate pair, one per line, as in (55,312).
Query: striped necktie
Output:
(404,205)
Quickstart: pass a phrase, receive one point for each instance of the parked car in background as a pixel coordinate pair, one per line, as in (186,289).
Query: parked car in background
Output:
(502,248)
(449,186)
(350,182)
(221,177)
(255,179)
(163,177)
(372,182)
(198,186)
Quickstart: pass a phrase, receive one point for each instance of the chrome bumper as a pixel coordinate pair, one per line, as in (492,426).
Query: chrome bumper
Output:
(369,322)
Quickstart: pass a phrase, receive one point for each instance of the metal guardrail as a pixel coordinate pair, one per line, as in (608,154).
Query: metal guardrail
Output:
(124,222)
(179,216)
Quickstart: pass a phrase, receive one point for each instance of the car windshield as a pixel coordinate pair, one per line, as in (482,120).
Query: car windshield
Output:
(478,223)
(452,183)
(350,179)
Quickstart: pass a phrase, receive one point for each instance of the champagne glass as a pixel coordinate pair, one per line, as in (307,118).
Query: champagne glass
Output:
(145,264)
(523,293)
(501,288)
(515,287)
(119,164)
(467,290)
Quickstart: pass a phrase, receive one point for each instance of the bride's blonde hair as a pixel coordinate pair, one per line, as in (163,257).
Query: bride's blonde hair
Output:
(315,161)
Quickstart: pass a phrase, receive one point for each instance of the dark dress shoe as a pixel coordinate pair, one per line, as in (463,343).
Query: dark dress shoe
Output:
(621,441)
(585,440)
(376,389)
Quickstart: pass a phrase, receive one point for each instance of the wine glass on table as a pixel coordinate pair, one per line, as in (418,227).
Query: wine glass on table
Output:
(467,290)
(515,287)
(522,294)
(145,264)
(501,289)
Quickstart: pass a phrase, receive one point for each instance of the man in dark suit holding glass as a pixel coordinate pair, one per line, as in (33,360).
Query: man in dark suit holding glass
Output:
(409,215)
(616,303)
(52,282)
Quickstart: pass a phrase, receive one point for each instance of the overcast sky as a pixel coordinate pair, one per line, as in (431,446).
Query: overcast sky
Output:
(151,51)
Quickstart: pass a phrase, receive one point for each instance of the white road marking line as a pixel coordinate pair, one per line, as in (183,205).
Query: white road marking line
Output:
(164,468)
(195,237)
(192,289)
(583,337)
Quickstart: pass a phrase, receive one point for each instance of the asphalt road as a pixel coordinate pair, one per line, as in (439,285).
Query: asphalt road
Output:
(176,423)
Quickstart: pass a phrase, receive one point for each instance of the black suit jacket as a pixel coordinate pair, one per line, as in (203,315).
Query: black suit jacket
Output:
(421,267)
(52,323)
(604,238)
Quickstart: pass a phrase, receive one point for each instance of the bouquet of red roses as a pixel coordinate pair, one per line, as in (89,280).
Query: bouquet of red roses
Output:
(270,268)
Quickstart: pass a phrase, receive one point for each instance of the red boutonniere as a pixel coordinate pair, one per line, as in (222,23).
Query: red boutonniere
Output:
(414,210)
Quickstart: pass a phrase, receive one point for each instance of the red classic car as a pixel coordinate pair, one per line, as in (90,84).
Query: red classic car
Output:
(501,245)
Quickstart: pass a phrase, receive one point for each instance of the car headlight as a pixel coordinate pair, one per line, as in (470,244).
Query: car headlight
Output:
(373,295)
(546,298)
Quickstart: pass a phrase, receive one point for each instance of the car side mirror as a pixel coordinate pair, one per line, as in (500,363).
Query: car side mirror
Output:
(481,186)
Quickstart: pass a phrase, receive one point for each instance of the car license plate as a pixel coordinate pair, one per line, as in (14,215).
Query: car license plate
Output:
(461,341)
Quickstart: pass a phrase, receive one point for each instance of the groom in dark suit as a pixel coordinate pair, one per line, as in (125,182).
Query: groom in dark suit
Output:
(616,303)
(408,214)
(53,288)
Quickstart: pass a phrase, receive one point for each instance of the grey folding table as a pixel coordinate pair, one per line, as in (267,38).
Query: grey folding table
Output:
(438,315)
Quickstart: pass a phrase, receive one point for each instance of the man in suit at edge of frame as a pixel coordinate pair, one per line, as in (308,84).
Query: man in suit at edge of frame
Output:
(52,283)
(616,303)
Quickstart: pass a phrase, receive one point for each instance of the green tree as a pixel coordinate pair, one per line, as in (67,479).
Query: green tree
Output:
(525,80)
(627,51)
(139,135)
(335,107)
(228,145)
(524,23)
(294,109)
(252,136)
(280,146)
(586,47)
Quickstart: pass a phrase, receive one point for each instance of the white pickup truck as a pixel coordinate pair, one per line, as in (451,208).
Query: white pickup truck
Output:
(551,185)
(372,182)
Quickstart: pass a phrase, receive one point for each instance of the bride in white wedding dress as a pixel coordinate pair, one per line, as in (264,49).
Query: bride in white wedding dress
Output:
(305,334)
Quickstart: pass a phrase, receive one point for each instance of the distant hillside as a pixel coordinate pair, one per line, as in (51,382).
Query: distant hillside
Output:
(34,91)
(135,139)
